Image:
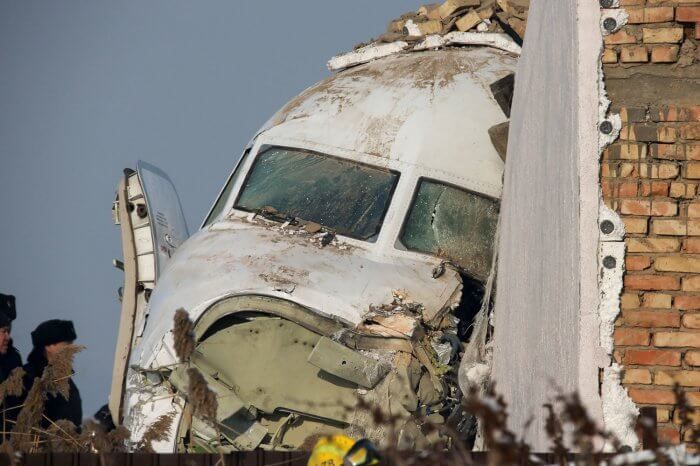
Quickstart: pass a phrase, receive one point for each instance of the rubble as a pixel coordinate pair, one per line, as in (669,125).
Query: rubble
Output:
(495,23)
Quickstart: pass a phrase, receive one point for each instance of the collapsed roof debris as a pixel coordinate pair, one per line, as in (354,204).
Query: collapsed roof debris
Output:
(496,23)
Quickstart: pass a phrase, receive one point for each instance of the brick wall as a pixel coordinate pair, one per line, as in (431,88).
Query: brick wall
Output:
(650,176)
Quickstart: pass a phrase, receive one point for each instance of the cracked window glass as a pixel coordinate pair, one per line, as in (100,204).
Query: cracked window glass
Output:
(453,224)
(226,192)
(346,197)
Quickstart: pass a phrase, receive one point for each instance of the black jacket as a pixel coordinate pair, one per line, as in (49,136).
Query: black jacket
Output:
(56,407)
(8,362)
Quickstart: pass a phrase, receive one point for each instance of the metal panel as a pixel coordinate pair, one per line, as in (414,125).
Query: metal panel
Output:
(168,225)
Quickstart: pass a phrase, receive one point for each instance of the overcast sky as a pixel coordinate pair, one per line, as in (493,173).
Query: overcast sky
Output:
(89,87)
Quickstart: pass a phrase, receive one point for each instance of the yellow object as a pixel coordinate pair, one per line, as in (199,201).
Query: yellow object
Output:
(330,451)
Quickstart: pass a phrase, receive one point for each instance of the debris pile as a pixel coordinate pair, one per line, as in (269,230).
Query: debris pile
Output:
(495,23)
(509,16)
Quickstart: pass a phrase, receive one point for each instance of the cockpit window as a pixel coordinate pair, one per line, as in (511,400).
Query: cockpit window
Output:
(453,224)
(226,192)
(346,197)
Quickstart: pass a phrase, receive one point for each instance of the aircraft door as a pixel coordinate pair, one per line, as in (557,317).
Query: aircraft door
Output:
(152,226)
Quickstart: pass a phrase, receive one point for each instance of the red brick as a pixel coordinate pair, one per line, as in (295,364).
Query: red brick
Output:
(662,415)
(675,113)
(652,397)
(609,55)
(635,263)
(634,54)
(652,357)
(631,337)
(629,301)
(682,190)
(683,378)
(664,53)
(690,131)
(636,225)
(667,151)
(693,398)
(623,36)
(694,209)
(692,358)
(691,283)
(662,35)
(638,376)
(664,208)
(633,114)
(651,319)
(688,14)
(670,227)
(655,188)
(692,170)
(652,282)
(692,151)
(657,300)
(627,150)
(635,207)
(687,303)
(647,245)
(691,321)
(694,227)
(668,435)
(677,339)
(678,263)
(650,15)
(647,132)
(627,189)
(669,2)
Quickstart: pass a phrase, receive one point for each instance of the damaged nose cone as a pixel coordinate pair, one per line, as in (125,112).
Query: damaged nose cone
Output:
(333,287)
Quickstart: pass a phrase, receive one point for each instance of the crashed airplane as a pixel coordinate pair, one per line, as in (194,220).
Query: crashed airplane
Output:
(341,266)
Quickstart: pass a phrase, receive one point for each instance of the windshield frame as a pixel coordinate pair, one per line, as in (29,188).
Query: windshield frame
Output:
(381,219)
(400,246)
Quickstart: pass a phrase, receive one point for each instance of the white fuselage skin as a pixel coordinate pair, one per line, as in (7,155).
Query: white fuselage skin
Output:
(423,115)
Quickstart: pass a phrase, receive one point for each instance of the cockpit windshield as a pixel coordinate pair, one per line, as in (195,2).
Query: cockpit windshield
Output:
(454,224)
(347,197)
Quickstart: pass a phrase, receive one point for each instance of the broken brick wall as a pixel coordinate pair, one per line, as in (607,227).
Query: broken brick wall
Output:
(650,176)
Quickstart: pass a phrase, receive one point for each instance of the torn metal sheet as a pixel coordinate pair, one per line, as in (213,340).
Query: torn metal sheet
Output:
(347,364)
(365,54)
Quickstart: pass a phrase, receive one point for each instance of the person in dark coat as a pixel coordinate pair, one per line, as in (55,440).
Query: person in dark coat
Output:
(9,356)
(49,338)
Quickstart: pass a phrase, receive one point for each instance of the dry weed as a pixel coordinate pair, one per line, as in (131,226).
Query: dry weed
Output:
(62,437)
(58,372)
(203,400)
(156,432)
(183,335)
(29,417)
(13,385)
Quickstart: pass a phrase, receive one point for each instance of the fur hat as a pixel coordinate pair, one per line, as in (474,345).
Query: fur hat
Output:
(53,331)
(8,311)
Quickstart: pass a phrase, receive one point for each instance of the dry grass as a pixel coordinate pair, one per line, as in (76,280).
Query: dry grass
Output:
(59,371)
(29,417)
(183,335)
(203,400)
(13,385)
(157,432)
(62,436)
